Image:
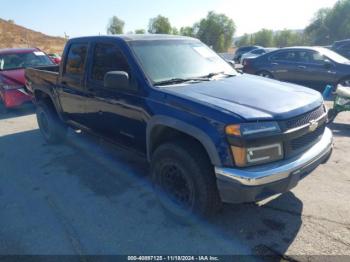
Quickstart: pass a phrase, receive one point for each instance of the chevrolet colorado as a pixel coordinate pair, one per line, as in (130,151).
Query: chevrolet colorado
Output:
(211,135)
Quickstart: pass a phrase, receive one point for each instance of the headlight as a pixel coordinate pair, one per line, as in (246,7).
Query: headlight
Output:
(247,129)
(257,155)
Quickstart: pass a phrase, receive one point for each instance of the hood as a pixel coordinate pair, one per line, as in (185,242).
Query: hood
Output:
(252,97)
(13,76)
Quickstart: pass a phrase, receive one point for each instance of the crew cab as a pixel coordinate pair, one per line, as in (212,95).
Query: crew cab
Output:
(12,83)
(210,134)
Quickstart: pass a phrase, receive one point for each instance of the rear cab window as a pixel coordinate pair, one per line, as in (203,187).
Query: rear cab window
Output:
(76,60)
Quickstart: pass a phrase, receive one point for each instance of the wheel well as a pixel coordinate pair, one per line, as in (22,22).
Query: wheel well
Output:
(343,78)
(163,134)
(44,98)
(263,70)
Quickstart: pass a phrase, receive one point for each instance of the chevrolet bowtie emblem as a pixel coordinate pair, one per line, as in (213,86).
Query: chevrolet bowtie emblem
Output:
(313,125)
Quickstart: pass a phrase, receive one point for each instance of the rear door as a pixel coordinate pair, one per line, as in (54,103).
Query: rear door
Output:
(72,93)
(282,65)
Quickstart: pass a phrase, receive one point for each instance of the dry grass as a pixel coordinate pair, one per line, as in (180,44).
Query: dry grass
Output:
(12,36)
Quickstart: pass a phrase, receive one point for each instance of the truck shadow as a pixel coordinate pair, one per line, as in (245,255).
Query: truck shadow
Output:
(267,229)
(121,179)
(340,129)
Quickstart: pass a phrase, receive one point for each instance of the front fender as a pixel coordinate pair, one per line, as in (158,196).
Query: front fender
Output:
(186,128)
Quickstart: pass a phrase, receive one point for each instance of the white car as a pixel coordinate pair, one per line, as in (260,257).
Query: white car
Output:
(255,53)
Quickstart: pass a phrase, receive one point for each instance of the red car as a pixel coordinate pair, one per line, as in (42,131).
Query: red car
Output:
(12,82)
(55,58)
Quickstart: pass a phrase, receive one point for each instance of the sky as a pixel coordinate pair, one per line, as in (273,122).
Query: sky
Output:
(90,17)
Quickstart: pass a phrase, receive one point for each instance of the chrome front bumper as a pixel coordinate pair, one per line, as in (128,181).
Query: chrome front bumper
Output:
(263,175)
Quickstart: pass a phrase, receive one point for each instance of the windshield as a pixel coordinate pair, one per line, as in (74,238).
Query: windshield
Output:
(334,56)
(165,60)
(22,60)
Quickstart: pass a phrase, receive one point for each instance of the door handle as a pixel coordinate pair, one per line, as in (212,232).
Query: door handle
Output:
(275,64)
(302,67)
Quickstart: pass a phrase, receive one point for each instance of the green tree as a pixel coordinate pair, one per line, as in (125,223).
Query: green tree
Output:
(159,25)
(287,37)
(330,24)
(216,30)
(140,31)
(264,37)
(244,40)
(115,26)
(318,30)
(187,31)
(11,21)
(174,31)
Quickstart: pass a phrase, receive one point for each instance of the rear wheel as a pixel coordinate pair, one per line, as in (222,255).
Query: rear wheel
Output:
(184,180)
(265,74)
(51,127)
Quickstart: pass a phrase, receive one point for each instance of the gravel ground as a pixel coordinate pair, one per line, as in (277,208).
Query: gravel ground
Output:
(86,197)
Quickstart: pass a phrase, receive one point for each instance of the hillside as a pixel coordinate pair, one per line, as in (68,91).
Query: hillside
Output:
(12,35)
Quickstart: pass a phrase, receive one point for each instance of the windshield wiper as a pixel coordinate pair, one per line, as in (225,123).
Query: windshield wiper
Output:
(211,75)
(198,79)
(179,81)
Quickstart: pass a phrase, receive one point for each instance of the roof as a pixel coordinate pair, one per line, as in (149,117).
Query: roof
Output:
(17,50)
(342,41)
(314,48)
(137,37)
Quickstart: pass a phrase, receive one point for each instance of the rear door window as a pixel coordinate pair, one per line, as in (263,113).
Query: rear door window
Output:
(76,59)
(286,56)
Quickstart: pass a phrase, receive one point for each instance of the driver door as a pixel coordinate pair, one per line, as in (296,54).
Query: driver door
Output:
(115,113)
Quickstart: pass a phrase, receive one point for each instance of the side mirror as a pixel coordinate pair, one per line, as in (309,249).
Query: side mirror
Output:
(116,80)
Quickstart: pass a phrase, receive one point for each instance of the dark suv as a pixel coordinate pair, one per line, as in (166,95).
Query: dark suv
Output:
(242,50)
(310,66)
(342,47)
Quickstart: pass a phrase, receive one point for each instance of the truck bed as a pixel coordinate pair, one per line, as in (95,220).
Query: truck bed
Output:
(42,75)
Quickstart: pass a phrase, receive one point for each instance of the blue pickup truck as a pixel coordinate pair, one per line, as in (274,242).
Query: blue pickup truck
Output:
(210,134)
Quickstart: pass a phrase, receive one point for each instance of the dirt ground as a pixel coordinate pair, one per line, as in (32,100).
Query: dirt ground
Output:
(86,197)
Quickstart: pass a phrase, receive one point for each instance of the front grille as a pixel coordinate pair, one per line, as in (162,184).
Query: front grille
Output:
(299,140)
(307,140)
(303,119)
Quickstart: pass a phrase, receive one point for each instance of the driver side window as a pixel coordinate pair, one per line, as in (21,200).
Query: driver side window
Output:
(106,58)
(311,57)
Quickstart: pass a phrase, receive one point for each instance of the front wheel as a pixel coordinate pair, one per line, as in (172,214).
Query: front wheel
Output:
(345,82)
(265,74)
(51,126)
(332,114)
(184,180)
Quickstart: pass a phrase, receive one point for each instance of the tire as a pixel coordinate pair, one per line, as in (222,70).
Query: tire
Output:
(345,82)
(184,180)
(332,114)
(51,127)
(265,74)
